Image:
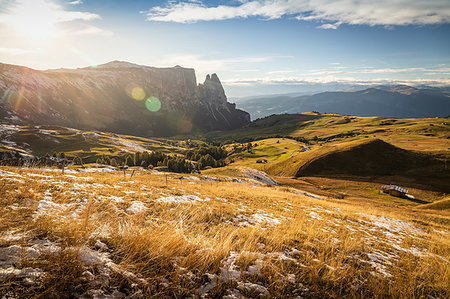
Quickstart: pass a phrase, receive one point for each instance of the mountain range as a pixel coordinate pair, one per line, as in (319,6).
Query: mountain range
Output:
(118,97)
(399,101)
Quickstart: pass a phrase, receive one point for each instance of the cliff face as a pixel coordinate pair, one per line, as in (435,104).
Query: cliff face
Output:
(115,97)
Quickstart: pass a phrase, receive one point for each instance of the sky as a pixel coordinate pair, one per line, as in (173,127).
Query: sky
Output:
(268,46)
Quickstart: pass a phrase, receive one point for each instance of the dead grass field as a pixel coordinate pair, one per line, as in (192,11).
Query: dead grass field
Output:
(100,234)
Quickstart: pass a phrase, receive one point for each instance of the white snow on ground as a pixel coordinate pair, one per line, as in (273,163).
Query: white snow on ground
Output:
(183,199)
(85,178)
(79,170)
(47,132)
(9,143)
(136,207)
(254,219)
(87,186)
(265,218)
(208,178)
(190,177)
(130,145)
(39,175)
(113,198)
(259,176)
(314,215)
(380,260)
(8,129)
(307,194)
(11,176)
(46,207)
(391,225)
(87,170)
(90,134)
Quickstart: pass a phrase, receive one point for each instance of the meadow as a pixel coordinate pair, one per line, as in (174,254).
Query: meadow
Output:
(96,232)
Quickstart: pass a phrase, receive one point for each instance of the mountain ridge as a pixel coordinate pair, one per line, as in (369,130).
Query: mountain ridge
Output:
(115,97)
(401,101)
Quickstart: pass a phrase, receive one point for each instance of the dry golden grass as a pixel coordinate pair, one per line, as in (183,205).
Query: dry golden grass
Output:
(100,233)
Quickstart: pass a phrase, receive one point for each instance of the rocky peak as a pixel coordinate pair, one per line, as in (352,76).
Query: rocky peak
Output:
(107,98)
(212,89)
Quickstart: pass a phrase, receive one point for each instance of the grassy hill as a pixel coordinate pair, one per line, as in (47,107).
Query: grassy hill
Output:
(360,157)
(428,134)
(443,204)
(40,140)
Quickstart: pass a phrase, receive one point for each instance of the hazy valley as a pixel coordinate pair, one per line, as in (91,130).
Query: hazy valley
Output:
(400,101)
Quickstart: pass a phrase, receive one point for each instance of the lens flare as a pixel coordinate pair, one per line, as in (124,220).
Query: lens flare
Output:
(153,104)
(185,126)
(138,93)
(180,123)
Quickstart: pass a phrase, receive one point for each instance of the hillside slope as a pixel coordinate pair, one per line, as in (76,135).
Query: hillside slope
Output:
(426,134)
(364,158)
(41,140)
(117,97)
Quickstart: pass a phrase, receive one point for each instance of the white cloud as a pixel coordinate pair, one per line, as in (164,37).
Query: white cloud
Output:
(418,75)
(88,29)
(76,2)
(333,79)
(330,26)
(280,72)
(204,65)
(373,70)
(333,12)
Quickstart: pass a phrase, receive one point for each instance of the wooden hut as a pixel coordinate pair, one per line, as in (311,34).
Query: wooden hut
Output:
(394,190)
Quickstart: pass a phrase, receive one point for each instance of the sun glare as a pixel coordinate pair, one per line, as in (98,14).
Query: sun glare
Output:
(35,20)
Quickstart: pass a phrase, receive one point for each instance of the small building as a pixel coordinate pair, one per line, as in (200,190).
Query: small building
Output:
(394,190)
(305,148)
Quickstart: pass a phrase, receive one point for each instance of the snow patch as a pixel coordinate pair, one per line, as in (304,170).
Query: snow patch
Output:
(183,199)
(136,207)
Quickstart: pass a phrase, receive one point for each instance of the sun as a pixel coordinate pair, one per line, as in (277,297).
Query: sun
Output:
(34,20)
(40,20)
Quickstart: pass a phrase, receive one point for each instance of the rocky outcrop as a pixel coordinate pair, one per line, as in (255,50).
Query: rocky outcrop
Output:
(115,97)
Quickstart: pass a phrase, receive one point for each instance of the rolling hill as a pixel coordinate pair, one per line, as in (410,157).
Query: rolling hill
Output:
(429,134)
(89,145)
(360,158)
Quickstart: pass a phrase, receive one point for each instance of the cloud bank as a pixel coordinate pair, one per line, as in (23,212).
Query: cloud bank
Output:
(330,13)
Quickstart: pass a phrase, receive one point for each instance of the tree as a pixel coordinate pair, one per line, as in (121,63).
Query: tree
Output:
(129,160)
(137,159)
(114,162)
(77,160)
(206,160)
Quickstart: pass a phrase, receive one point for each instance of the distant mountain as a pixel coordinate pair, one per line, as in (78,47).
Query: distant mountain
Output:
(247,89)
(400,101)
(117,97)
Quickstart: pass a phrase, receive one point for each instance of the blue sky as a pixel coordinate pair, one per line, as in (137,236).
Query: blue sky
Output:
(248,43)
